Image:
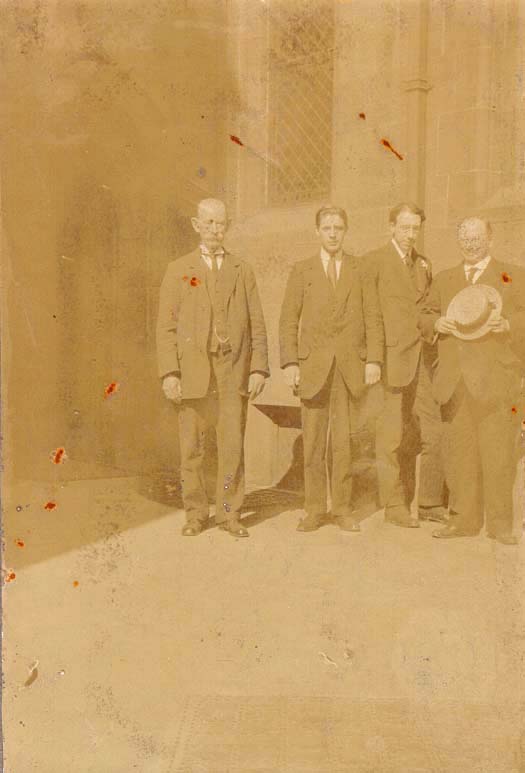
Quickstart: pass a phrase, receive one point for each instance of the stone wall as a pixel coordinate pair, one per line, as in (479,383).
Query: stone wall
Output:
(116,128)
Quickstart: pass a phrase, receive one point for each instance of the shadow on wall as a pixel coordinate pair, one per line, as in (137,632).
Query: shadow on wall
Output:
(117,129)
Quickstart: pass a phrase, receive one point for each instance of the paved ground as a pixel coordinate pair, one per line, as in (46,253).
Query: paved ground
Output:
(284,653)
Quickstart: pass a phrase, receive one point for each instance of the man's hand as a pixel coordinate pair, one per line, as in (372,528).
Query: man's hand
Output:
(372,373)
(256,384)
(292,376)
(498,324)
(171,388)
(445,326)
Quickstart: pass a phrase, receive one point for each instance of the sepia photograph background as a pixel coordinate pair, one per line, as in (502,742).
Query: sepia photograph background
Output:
(124,647)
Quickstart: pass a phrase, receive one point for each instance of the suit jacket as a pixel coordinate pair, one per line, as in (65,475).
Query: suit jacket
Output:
(388,282)
(490,366)
(184,323)
(319,323)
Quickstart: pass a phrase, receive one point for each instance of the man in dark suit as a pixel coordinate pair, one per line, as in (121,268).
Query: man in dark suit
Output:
(325,338)
(399,279)
(212,357)
(478,383)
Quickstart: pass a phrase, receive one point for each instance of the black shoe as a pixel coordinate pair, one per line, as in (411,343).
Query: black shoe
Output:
(309,523)
(235,528)
(400,515)
(347,523)
(192,529)
(449,532)
(435,513)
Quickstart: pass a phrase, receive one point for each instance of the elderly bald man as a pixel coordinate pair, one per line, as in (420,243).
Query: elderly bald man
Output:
(478,382)
(212,358)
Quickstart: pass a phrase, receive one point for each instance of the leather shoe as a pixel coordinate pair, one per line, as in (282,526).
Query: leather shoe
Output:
(348,523)
(507,538)
(192,529)
(401,516)
(235,528)
(309,523)
(450,531)
(436,513)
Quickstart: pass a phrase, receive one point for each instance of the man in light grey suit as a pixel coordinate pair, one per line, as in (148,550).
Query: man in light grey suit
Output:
(212,357)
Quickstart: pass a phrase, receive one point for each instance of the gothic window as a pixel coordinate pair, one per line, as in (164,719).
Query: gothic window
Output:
(301,38)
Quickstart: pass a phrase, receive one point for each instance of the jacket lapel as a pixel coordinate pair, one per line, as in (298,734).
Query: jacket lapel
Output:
(421,276)
(321,283)
(492,275)
(456,283)
(400,275)
(229,270)
(196,264)
(229,273)
(318,279)
(344,283)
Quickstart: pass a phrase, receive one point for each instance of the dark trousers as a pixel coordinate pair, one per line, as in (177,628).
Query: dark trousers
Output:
(224,408)
(480,452)
(329,410)
(410,423)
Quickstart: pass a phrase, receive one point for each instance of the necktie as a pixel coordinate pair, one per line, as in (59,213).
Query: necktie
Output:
(470,271)
(212,256)
(410,263)
(331,271)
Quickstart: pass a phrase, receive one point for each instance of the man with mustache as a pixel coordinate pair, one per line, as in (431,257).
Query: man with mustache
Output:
(399,278)
(478,382)
(212,355)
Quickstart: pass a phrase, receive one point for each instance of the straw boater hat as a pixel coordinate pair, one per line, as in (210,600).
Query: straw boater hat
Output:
(471,310)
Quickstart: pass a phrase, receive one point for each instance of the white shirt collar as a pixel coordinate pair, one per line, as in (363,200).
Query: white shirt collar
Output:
(206,256)
(481,265)
(400,252)
(325,259)
(218,251)
(325,256)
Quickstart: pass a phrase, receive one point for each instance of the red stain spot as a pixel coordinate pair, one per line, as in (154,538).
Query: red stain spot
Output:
(76,584)
(195,281)
(185,278)
(33,676)
(506,278)
(20,543)
(388,145)
(59,455)
(111,389)
(50,505)
(514,409)
(236,140)
(362,116)
(10,577)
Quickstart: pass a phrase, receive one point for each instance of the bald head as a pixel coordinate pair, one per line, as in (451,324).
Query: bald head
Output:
(211,222)
(474,239)
(207,206)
